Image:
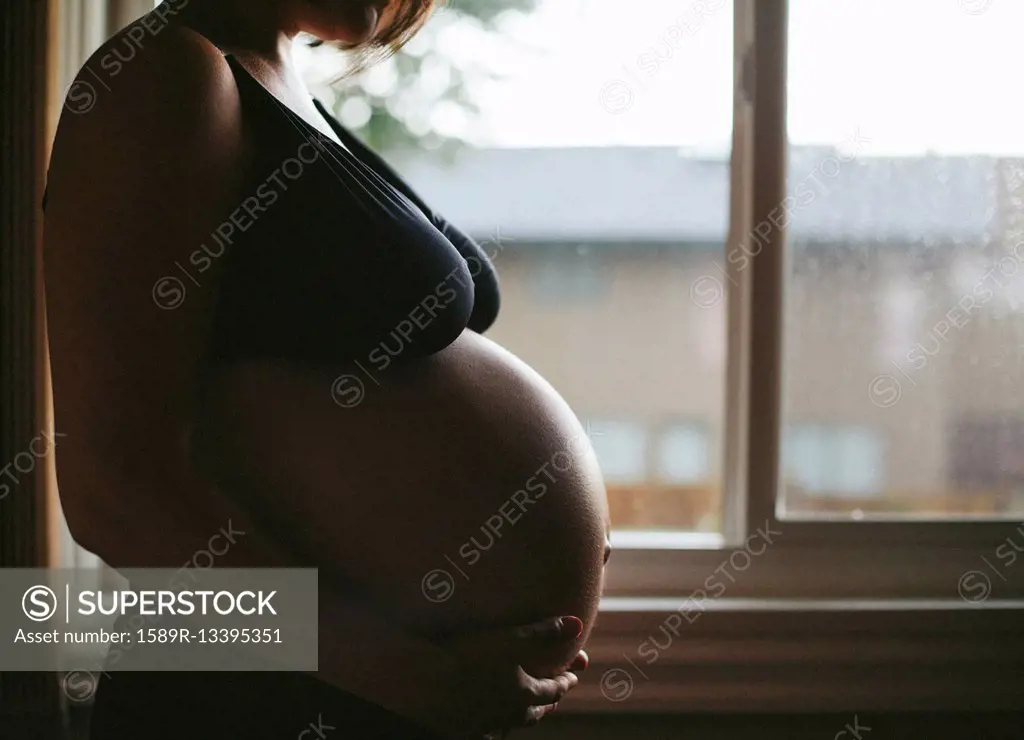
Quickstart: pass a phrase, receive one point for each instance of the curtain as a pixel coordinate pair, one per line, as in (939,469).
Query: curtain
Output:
(29,702)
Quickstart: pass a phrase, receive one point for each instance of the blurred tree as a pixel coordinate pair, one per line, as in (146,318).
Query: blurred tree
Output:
(423,96)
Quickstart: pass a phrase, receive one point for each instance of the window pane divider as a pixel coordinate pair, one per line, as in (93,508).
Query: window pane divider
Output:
(737,289)
(768,189)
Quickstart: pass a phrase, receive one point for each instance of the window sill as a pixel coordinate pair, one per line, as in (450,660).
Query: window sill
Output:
(745,655)
(850,572)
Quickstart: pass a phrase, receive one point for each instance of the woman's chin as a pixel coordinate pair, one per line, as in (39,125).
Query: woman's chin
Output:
(348,24)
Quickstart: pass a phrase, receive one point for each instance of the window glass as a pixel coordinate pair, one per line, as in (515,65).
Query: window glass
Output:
(683,455)
(904,308)
(575,141)
(621,449)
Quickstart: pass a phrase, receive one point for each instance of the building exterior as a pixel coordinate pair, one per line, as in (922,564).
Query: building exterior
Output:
(904,335)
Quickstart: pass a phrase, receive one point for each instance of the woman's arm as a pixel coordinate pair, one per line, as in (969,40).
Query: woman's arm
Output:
(136,184)
(455,691)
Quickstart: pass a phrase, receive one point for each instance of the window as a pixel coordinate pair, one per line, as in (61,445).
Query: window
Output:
(628,452)
(658,476)
(913,320)
(621,449)
(899,319)
(683,455)
(570,279)
(809,315)
(987,466)
(834,462)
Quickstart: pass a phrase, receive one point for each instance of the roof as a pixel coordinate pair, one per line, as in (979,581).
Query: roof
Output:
(659,194)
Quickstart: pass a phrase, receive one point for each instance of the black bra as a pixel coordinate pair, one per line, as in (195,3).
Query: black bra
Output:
(344,263)
(332,258)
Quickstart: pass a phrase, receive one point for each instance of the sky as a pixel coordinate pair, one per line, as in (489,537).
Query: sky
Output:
(912,75)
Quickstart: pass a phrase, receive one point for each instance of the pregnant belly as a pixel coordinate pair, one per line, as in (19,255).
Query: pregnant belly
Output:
(464,490)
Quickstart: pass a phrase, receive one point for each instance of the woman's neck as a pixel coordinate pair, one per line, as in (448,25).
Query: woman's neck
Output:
(260,27)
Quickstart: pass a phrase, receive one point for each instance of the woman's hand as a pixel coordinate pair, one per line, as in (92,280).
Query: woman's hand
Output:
(494,692)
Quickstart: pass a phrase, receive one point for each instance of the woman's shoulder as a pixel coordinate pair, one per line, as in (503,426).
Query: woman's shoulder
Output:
(154,115)
(149,151)
(149,65)
(150,86)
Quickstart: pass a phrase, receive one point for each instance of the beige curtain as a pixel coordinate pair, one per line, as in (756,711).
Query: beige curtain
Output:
(78,27)
(122,12)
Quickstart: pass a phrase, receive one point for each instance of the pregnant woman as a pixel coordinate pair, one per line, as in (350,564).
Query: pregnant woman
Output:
(257,327)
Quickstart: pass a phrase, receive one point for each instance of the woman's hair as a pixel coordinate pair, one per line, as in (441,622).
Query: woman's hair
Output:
(411,16)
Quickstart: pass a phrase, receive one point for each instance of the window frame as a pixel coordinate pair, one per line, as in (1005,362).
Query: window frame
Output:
(768,275)
(754,397)
(846,599)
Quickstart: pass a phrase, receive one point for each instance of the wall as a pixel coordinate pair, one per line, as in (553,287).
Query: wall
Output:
(1006,726)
